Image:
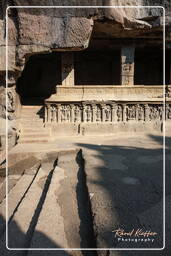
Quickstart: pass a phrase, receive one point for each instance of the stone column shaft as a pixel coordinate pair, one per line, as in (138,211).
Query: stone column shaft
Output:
(127,65)
(49,113)
(103,113)
(114,114)
(83,109)
(46,113)
(72,113)
(137,108)
(147,118)
(67,67)
(124,112)
(94,113)
(58,114)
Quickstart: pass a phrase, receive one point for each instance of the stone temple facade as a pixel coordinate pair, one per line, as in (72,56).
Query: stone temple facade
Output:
(84,70)
(88,91)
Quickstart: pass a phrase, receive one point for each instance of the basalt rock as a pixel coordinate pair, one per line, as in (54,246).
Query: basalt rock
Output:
(33,30)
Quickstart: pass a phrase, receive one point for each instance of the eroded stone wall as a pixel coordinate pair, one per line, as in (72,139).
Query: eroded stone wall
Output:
(43,30)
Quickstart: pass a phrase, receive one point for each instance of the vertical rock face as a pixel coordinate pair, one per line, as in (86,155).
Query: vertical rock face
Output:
(42,30)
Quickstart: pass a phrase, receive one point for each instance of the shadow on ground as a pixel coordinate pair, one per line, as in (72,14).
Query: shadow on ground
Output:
(131,179)
(128,182)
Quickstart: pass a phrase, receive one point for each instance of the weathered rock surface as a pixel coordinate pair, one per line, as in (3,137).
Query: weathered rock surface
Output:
(46,29)
(42,30)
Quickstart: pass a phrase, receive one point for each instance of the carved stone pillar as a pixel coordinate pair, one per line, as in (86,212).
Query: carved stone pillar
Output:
(67,62)
(72,113)
(124,112)
(84,114)
(127,65)
(94,113)
(103,113)
(58,113)
(137,111)
(53,113)
(48,113)
(114,113)
(147,113)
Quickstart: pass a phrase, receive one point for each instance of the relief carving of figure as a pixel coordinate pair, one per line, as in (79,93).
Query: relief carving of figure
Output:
(68,113)
(108,113)
(140,113)
(154,114)
(131,111)
(88,113)
(63,113)
(77,114)
(98,114)
(119,113)
(127,67)
(53,113)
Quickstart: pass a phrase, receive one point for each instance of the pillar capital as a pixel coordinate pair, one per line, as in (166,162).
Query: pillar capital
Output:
(127,65)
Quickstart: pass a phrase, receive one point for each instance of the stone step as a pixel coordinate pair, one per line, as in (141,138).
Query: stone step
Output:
(30,107)
(31,117)
(51,224)
(36,112)
(14,198)
(34,121)
(31,113)
(55,227)
(35,140)
(32,136)
(35,130)
(12,181)
(32,110)
(26,214)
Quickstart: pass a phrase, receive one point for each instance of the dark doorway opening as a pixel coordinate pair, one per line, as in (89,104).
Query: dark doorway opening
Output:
(40,76)
(97,68)
(148,67)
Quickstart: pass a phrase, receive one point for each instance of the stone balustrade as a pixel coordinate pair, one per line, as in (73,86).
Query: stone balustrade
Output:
(105,112)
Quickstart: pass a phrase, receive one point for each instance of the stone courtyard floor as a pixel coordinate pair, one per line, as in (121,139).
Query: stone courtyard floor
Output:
(120,176)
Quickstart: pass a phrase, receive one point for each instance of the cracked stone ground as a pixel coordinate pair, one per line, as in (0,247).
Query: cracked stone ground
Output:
(76,191)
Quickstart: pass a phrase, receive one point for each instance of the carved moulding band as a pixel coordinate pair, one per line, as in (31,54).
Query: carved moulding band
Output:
(106,112)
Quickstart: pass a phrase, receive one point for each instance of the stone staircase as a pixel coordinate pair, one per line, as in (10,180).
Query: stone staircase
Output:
(38,204)
(32,125)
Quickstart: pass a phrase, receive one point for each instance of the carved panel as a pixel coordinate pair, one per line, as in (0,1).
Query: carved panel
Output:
(119,113)
(98,113)
(131,112)
(108,113)
(101,112)
(140,112)
(153,113)
(77,113)
(88,113)
(65,112)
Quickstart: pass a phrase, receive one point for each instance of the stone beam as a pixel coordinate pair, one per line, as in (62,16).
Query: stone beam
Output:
(67,62)
(127,65)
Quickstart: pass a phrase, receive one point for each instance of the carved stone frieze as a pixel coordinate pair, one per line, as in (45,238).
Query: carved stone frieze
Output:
(92,112)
